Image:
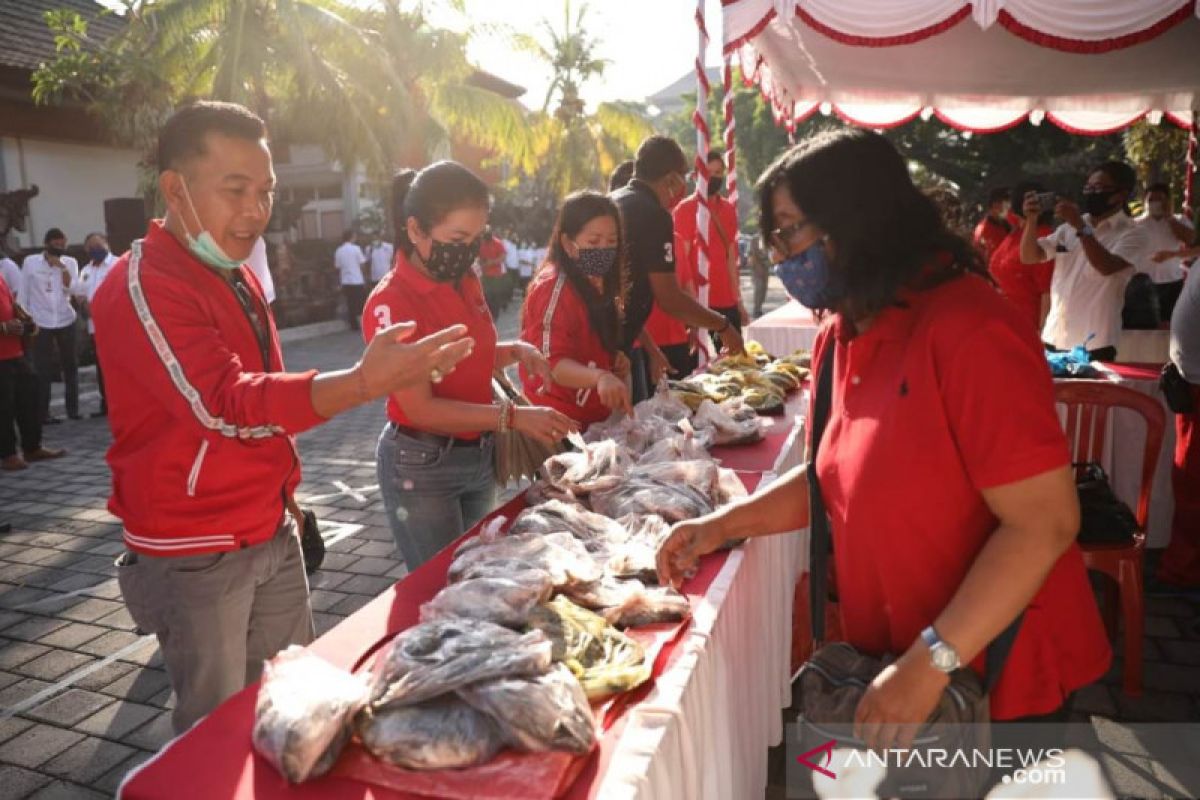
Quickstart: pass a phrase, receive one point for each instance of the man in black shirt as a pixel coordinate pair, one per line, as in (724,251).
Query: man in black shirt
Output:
(658,183)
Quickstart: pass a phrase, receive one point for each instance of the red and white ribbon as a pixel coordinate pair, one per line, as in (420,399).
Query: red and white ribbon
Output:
(730,125)
(700,121)
(1189,175)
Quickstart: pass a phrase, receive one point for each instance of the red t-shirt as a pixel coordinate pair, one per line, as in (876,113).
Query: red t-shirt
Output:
(491,256)
(555,320)
(722,233)
(989,234)
(662,327)
(405,295)
(934,403)
(10,346)
(1022,284)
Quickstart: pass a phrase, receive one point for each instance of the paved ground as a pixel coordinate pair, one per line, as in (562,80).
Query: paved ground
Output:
(83,698)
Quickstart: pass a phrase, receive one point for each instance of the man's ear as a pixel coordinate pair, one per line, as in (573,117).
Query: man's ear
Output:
(170,188)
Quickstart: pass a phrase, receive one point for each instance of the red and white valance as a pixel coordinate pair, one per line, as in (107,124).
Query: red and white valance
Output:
(1088,66)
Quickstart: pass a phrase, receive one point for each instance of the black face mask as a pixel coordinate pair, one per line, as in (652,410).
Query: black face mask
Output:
(715,185)
(448,262)
(57,252)
(1097,203)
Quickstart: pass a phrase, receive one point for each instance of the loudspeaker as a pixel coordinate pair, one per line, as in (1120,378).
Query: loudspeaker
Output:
(124,220)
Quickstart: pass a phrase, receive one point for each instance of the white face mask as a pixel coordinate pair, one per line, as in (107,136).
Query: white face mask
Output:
(203,246)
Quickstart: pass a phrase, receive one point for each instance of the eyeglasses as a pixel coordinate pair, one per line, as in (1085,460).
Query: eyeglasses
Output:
(782,239)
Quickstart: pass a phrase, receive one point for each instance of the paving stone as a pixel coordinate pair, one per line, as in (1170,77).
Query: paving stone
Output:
(108,589)
(32,554)
(35,628)
(120,619)
(18,782)
(91,609)
(1182,652)
(10,727)
(338,562)
(112,779)
(154,734)
(351,604)
(88,760)
(107,549)
(101,678)
(16,598)
(117,720)
(371,566)
(8,679)
(164,700)
(71,635)
(1161,627)
(1172,678)
(1156,706)
(1165,606)
(21,691)
(1094,699)
(54,664)
(74,581)
(323,600)
(65,790)
(100,565)
(37,745)
(13,654)
(325,622)
(367,584)
(70,707)
(10,618)
(139,685)
(327,578)
(15,573)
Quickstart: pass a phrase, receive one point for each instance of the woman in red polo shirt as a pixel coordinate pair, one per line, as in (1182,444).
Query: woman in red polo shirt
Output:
(434,457)
(1023,284)
(943,466)
(572,313)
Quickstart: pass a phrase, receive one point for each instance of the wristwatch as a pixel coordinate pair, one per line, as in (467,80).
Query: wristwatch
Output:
(943,656)
(1086,230)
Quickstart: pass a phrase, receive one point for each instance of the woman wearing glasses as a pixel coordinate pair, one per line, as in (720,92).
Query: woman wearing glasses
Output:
(943,467)
(434,458)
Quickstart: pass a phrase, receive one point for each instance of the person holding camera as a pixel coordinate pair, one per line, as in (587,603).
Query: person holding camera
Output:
(1094,251)
(1024,284)
(18,390)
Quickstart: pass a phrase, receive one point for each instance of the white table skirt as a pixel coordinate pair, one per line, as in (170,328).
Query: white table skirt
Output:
(704,730)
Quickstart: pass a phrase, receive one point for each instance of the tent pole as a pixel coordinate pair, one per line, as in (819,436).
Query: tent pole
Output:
(730,126)
(700,122)
(1189,177)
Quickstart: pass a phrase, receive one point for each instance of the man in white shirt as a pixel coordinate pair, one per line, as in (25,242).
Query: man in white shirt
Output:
(48,279)
(512,263)
(1094,254)
(348,259)
(527,264)
(93,273)
(381,253)
(1166,233)
(10,273)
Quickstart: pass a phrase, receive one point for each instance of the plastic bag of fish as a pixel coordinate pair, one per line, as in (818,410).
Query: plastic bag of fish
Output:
(302,713)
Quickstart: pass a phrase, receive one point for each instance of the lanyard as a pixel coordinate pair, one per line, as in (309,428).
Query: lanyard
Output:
(246,300)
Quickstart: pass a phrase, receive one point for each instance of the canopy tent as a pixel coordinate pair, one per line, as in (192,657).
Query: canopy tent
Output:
(1089,66)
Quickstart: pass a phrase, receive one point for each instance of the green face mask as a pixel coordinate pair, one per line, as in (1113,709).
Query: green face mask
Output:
(204,246)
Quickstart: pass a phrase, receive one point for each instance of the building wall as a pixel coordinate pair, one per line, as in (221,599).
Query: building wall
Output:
(73,180)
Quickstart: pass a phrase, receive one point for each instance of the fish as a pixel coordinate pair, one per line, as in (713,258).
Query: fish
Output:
(728,422)
(443,733)
(603,660)
(437,657)
(640,496)
(647,606)
(505,600)
(637,556)
(684,446)
(302,713)
(592,466)
(546,712)
(596,532)
(558,553)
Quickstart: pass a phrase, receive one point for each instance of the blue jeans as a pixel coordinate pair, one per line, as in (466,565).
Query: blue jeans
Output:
(432,493)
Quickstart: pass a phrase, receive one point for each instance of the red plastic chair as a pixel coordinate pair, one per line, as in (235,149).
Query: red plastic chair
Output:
(1088,404)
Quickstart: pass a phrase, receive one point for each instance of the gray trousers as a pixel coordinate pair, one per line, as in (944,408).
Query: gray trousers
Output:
(218,616)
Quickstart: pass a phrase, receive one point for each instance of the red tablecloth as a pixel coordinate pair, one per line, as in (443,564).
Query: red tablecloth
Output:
(215,758)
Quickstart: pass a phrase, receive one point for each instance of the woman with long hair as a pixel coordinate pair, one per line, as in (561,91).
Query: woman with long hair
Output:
(573,310)
(943,467)
(434,457)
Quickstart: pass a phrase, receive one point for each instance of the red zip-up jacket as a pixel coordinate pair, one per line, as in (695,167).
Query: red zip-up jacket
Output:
(202,454)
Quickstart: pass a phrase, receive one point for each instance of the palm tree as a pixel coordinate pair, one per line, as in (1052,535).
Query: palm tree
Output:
(578,150)
(368,84)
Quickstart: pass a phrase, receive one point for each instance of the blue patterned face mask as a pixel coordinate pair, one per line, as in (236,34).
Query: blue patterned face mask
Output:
(204,246)
(596,262)
(807,276)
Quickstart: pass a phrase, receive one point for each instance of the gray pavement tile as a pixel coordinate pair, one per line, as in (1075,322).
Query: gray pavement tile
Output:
(17,693)
(1156,706)
(325,622)
(119,619)
(154,734)
(69,708)
(117,720)
(88,760)
(10,727)
(37,745)
(1182,652)
(101,678)
(377,549)
(328,578)
(54,664)
(138,685)
(112,779)
(1172,678)
(1095,698)
(109,643)
(323,599)
(16,598)
(34,628)
(91,609)
(1161,627)
(367,584)
(8,679)
(164,700)
(351,604)
(72,635)
(19,782)
(66,790)
(371,566)
(75,581)
(13,654)
(11,573)
(108,589)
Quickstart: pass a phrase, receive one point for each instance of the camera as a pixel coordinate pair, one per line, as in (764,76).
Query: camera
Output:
(1047,201)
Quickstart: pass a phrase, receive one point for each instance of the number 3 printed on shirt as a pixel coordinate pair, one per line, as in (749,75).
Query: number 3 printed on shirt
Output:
(384,315)
(669,251)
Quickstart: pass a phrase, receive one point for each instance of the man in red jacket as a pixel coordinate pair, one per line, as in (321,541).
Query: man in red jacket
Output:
(203,414)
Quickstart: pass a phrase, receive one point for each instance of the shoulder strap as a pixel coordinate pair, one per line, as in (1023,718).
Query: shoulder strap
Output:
(820,543)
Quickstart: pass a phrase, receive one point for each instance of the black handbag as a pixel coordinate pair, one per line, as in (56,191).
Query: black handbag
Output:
(1103,518)
(1176,389)
(312,546)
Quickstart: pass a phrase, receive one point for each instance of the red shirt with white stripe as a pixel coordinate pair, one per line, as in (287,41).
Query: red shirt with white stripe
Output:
(555,320)
(722,234)
(202,454)
(406,295)
(944,396)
